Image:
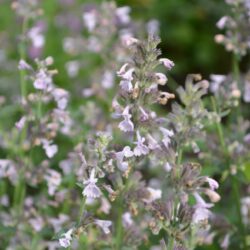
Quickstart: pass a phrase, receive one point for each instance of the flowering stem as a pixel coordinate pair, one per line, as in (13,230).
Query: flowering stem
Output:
(22,52)
(233,179)
(119,229)
(171,243)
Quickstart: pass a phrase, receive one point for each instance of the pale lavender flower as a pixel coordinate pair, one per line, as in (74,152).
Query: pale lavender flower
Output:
(107,79)
(153,27)
(225,242)
(167,134)
(23,65)
(50,149)
(246,95)
(201,209)
(91,190)
(129,40)
(144,115)
(216,81)
(212,183)
(126,152)
(126,85)
(161,79)
(65,241)
(36,36)
(141,148)
(72,68)
(167,63)
(126,125)
(104,225)
(90,20)
(20,124)
(53,179)
(222,22)
(37,223)
(123,14)
(154,194)
(61,97)
(105,205)
(42,80)
(127,220)
(167,167)
(152,143)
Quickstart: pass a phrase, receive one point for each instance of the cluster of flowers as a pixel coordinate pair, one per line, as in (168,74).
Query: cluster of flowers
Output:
(127,179)
(117,176)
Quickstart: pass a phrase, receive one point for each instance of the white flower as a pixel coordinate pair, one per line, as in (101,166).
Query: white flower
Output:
(222,22)
(212,183)
(167,167)
(126,152)
(166,136)
(61,97)
(127,220)
(42,80)
(91,190)
(246,96)
(107,79)
(154,194)
(216,81)
(53,179)
(90,20)
(126,85)
(152,143)
(201,209)
(141,148)
(36,37)
(72,68)
(126,125)
(50,149)
(104,225)
(129,41)
(161,78)
(20,124)
(167,63)
(23,65)
(65,241)
(144,115)
(123,14)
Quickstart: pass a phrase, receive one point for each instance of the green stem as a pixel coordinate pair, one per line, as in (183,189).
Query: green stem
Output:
(119,228)
(22,53)
(233,179)
(171,243)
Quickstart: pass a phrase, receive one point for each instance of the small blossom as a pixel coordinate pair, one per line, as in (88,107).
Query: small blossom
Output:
(216,81)
(167,63)
(213,196)
(50,149)
(126,125)
(212,183)
(90,20)
(141,148)
(167,167)
(161,79)
(61,97)
(154,194)
(23,65)
(104,225)
(201,209)
(91,190)
(127,220)
(166,136)
(144,115)
(65,241)
(123,14)
(42,80)
(222,22)
(126,152)
(129,41)
(53,179)
(20,124)
(152,143)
